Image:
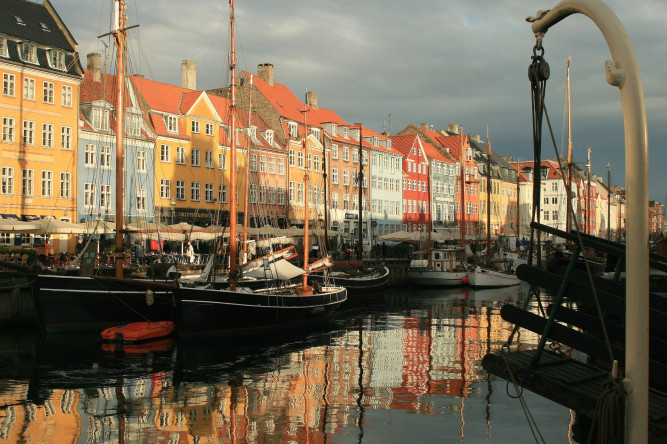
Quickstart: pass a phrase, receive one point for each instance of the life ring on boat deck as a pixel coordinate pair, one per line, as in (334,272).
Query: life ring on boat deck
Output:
(317,287)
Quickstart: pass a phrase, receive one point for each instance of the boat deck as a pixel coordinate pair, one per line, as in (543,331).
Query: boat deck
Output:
(571,383)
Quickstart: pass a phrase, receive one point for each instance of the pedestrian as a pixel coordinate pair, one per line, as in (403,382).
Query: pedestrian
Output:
(190,253)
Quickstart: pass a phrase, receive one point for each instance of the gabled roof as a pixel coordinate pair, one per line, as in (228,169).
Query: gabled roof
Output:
(160,97)
(104,90)
(453,143)
(433,153)
(404,143)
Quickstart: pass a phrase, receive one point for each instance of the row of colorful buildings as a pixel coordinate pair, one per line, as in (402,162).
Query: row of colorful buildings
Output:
(59,135)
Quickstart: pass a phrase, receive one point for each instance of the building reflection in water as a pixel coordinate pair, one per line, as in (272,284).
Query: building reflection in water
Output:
(401,354)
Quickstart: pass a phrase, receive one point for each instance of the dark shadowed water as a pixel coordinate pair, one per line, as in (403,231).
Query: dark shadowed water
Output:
(401,368)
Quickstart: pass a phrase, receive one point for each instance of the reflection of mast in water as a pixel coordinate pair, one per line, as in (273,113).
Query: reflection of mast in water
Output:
(464,315)
(489,386)
(360,405)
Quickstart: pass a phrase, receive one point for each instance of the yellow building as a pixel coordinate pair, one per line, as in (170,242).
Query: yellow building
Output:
(41,74)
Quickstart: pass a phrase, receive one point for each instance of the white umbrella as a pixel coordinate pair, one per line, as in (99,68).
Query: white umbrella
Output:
(17,226)
(55,226)
(99,226)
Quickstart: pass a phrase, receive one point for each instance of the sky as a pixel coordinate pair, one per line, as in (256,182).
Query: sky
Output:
(389,63)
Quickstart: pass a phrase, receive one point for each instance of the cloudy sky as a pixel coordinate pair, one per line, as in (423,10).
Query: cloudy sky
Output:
(389,63)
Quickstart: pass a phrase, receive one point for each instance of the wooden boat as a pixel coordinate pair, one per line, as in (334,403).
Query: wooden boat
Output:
(207,310)
(138,331)
(357,279)
(438,267)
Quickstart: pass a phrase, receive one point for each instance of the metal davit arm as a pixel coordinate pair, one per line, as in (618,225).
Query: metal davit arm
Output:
(623,72)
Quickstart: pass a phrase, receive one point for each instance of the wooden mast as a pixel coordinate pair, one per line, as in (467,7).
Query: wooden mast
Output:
(119,32)
(233,251)
(568,219)
(488,197)
(306,181)
(463,198)
(361,193)
(246,204)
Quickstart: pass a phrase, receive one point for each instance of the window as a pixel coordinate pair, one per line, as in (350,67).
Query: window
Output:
(29,52)
(281,166)
(346,201)
(221,161)
(141,161)
(253,162)
(316,163)
(7,180)
(209,129)
(299,192)
(292,191)
(252,193)
(141,199)
(262,164)
(3,47)
(334,151)
(133,125)
(47,183)
(272,195)
(272,165)
(195,126)
(222,193)
(88,195)
(89,155)
(105,197)
(293,129)
(309,161)
(165,189)
(299,159)
(49,92)
(180,190)
(8,84)
(165,153)
(334,176)
(28,88)
(180,155)
(346,177)
(105,157)
(28,132)
(292,158)
(101,119)
(47,135)
(281,195)
(65,185)
(355,155)
(66,138)
(194,157)
(334,201)
(194,191)
(346,154)
(56,59)
(268,135)
(66,96)
(8,129)
(208,192)
(555,214)
(554,200)
(209,159)
(172,124)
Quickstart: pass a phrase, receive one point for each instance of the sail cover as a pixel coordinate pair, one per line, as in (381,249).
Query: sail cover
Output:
(281,269)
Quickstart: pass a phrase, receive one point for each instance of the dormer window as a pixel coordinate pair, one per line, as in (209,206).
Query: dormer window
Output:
(44,27)
(133,125)
(293,129)
(29,52)
(252,132)
(172,124)
(19,20)
(4,52)
(316,132)
(376,140)
(101,119)
(57,59)
(334,129)
(268,135)
(346,132)
(389,144)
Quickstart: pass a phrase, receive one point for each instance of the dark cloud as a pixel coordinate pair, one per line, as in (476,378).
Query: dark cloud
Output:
(459,61)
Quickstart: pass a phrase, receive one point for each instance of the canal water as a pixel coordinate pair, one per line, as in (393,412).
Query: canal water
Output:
(404,367)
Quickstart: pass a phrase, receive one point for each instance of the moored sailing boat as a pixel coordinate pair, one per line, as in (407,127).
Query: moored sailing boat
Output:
(237,309)
(77,303)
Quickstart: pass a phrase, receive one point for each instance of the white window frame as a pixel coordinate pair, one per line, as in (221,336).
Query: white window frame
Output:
(28,88)
(49,92)
(165,189)
(47,183)
(65,184)
(7,181)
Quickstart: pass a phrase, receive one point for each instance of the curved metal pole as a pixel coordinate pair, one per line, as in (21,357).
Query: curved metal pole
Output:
(624,73)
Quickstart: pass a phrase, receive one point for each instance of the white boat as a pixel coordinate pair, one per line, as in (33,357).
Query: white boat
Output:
(445,269)
(480,277)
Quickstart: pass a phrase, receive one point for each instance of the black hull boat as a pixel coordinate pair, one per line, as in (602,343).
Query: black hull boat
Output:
(242,311)
(361,282)
(81,304)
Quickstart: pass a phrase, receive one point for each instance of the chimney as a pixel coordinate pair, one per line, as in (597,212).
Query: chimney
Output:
(189,74)
(94,59)
(311,99)
(265,72)
(425,126)
(477,138)
(453,128)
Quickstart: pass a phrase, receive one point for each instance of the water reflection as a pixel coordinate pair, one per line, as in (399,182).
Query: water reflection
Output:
(411,351)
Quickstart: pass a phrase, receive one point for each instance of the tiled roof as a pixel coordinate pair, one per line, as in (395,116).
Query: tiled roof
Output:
(161,97)
(92,91)
(33,15)
(433,153)
(403,143)
(453,142)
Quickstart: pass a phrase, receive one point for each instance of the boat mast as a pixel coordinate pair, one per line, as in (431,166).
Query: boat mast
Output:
(306,181)
(233,254)
(568,219)
(361,192)
(247,179)
(488,197)
(463,198)
(119,34)
(326,194)
(518,191)
(429,213)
